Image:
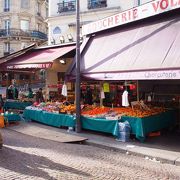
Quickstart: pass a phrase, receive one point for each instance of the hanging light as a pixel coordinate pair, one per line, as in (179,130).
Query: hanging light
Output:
(62,61)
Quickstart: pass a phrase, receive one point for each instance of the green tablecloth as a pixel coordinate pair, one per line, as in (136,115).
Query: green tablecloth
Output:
(12,117)
(16,105)
(102,125)
(51,119)
(141,127)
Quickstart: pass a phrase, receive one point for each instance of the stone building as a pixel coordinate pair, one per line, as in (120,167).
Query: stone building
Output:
(22,23)
(62,19)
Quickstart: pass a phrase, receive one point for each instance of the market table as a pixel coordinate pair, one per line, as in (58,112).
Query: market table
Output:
(16,105)
(52,119)
(102,125)
(141,127)
(12,117)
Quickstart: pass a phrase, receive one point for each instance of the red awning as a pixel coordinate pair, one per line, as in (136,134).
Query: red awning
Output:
(41,58)
(120,54)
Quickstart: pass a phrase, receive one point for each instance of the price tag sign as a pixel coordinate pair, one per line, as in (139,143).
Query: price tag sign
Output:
(106,87)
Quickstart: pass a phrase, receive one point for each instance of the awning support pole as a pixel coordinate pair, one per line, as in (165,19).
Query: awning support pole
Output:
(137,87)
(101,100)
(78,106)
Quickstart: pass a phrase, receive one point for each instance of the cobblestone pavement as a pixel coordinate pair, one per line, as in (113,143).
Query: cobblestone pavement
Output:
(27,157)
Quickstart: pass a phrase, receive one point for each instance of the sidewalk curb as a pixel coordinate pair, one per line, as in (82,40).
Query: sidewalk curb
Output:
(127,151)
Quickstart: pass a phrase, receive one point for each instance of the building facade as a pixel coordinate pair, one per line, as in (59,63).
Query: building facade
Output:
(22,23)
(62,18)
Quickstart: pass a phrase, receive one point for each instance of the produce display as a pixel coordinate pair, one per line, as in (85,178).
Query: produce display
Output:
(128,111)
(54,107)
(98,112)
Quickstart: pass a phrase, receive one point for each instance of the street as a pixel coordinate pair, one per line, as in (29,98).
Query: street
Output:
(27,157)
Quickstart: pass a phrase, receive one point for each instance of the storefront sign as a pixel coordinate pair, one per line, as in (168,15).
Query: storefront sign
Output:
(23,66)
(55,86)
(144,75)
(147,10)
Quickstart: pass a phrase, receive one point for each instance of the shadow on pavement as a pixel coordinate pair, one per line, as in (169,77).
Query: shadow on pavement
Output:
(32,165)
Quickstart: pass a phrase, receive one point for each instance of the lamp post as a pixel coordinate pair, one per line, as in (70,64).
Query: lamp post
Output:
(77,91)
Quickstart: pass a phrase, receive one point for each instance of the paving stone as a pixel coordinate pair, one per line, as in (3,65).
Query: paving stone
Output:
(177,162)
(27,157)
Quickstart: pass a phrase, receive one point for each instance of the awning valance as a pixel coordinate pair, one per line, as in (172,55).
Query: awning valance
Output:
(42,58)
(133,52)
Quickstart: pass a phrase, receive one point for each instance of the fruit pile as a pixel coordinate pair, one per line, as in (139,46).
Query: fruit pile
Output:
(70,109)
(139,113)
(96,111)
(123,111)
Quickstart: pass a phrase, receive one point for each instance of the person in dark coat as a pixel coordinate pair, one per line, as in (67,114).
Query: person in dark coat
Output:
(39,96)
(30,93)
(88,96)
(1,103)
(9,92)
(15,93)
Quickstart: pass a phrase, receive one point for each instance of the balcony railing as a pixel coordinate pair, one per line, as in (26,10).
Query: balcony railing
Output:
(93,4)
(66,6)
(6,53)
(21,33)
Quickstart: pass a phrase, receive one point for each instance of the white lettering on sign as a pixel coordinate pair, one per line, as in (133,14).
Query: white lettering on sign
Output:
(147,10)
(22,66)
(144,75)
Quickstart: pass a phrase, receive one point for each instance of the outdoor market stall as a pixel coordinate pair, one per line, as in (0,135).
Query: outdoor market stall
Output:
(16,105)
(103,119)
(143,51)
(52,119)
(51,114)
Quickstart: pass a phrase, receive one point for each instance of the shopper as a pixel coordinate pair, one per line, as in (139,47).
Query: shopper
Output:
(88,96)
(39,96)
(1,103)
(30,93)
(9,92)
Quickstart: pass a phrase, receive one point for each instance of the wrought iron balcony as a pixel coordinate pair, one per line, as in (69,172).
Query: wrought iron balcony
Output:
(6,53)
(66,6)
(93,4)
(21,33)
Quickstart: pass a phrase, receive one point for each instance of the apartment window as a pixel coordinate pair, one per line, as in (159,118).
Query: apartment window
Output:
(66,6)
(137,3)
(7,26)
(6,5)
(38,9)
(93,4)
(25,4)
(23,45)
(57,30)
(7,47)
(39,27)
(47,12)
(24,25)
